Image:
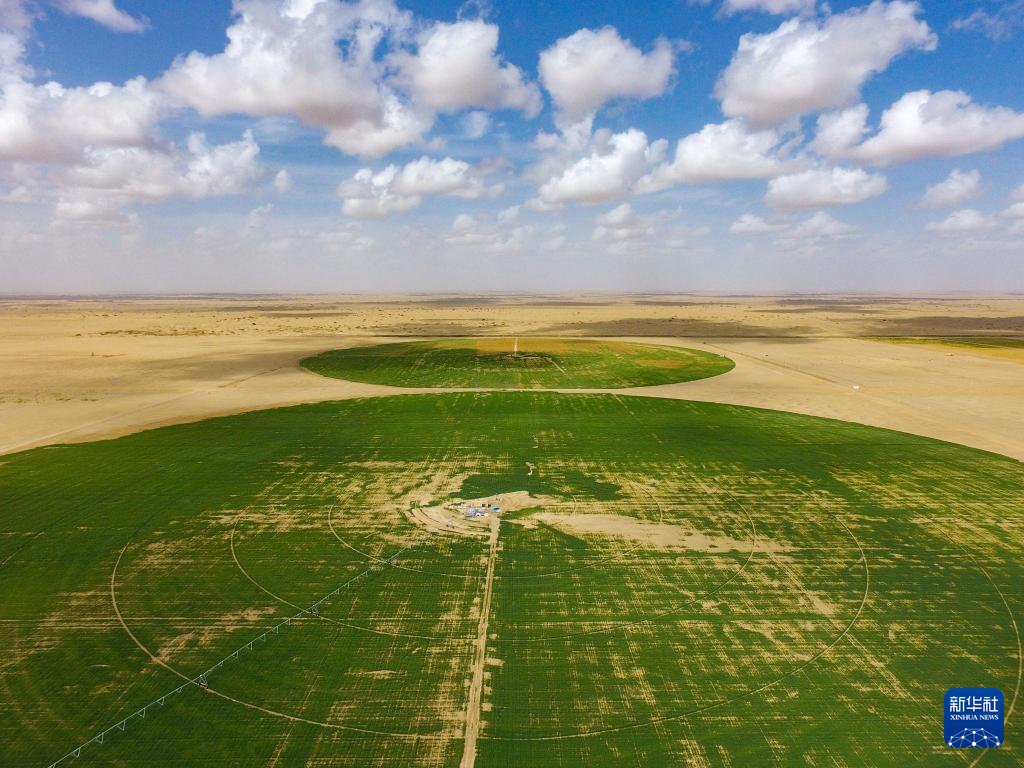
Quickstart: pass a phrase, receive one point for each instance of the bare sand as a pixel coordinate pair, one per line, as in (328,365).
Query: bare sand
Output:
(476,682)
(667,536)
(76,370)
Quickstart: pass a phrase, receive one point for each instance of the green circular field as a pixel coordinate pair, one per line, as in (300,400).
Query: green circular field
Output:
(524,363)
(685,584)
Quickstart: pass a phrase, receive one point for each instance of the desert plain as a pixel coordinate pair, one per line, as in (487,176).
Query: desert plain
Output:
(81,369)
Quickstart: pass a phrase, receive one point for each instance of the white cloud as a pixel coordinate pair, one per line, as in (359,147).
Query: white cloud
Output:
(396,125)
(401,188)
(999,24)
(96,149)
(345,239)
(456,66)
(476,124)
(104,12)
(319,62)
(591,67)
(509,214)
(957,187)
(1016,209)
(51,123)
(139,173)
(727,151)
(621,226)
(923,124)
(286,59)
(824,187)
(93,211)
(616,163)
(769,6)
(963,222)
(624,231)
(808,65)
(820,226)
(840,130)
(283,181)
(258,216)
(806,234)
(111,178)
(501,236)
(15,16)
(749,224)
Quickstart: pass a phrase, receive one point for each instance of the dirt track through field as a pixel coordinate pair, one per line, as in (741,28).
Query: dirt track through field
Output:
(476,684)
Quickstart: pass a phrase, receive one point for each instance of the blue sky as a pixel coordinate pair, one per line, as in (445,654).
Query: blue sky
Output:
(697,145)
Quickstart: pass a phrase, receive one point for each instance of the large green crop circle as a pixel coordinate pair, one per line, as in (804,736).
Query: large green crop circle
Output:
(523,363)
(691,573)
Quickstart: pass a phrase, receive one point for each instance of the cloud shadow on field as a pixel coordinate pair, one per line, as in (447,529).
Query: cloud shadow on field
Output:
(941,325)
(680,327)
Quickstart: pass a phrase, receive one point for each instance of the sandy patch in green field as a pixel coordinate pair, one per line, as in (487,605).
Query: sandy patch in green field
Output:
(665,536)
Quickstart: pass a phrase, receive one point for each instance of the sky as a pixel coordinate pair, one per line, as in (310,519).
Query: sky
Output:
(746,146)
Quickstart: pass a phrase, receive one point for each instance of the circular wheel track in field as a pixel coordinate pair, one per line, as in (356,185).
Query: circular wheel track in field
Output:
(729,699)
(406,735)
(650,619)
(247,704)
(296,606)
(581,734)
(546,638)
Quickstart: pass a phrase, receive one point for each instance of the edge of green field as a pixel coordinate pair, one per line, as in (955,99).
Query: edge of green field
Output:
(542,363)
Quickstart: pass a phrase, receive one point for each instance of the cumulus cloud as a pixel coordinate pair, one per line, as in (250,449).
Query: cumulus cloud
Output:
(749,224)
(963,222)
(923,124)
(285,59)
(96,149)
(727,151)
(811,65)
(369,195)
(1016,209)
(838,131)
(51,123)
(104,12)
(457,66)
(612,169)
(111,178)
(476,124)
(807,234)
(769,6)
(622,228)
(591,67)
(258,216)
(820,226)
(14,16)
(283,181)
(957,187)
(318,62)
(820,188)
(502,235)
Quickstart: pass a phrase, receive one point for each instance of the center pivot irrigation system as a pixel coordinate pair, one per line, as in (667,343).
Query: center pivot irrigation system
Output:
(202,679)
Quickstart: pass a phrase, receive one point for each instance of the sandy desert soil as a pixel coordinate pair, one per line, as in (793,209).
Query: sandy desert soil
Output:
(73,370)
